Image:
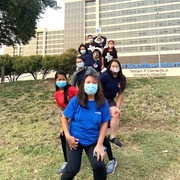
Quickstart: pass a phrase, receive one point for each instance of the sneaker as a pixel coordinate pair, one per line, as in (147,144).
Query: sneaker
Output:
(60,170)
(115,141)
(111,166)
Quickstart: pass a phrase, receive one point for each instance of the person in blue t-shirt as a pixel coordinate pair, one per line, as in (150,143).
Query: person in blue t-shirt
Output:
(85,55)
(89,114)
(113,82)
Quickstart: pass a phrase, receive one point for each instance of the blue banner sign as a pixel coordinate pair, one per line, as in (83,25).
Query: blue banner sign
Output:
(146,65)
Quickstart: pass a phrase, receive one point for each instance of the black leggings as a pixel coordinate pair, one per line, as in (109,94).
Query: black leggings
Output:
(63,143)
(106,143)
(74,163)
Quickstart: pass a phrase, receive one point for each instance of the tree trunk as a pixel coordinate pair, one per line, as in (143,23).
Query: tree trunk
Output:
(2,75)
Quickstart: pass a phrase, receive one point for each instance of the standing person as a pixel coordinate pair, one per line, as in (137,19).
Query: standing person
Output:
(89,114)
(97,59)
(101,40)
(77,77)
(109,54)
(91,45)
(64,93)
(85,55)
(113,82)
(81,72)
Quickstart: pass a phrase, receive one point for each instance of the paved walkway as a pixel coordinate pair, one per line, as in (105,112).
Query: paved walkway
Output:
(28,76)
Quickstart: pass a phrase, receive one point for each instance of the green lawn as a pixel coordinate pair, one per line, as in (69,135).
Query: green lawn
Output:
(149,130)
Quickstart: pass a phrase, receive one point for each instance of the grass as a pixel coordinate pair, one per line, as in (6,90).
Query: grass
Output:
(149,130)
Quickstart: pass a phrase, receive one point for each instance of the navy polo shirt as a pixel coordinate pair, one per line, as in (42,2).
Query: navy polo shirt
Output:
(111,85)
(80,76)
(97,65)
(88,59)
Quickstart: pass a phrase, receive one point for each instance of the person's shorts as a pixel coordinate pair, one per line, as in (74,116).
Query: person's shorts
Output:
(111,102)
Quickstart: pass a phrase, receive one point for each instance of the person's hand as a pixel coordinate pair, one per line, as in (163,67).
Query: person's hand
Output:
(100,152)
(118,111)
(61,132)
(99,34)
(73,142)
(102,67)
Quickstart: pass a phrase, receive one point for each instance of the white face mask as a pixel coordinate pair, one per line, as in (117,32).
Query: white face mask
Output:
(80,65)
(116,70)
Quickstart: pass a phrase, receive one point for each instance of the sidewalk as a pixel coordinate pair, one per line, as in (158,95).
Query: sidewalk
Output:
(28,76)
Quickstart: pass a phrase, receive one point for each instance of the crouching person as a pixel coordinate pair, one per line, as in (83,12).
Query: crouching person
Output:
(89,114)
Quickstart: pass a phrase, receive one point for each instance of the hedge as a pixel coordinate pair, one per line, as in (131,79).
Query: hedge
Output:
(17,65)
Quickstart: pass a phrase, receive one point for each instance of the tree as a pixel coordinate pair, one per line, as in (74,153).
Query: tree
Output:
(33,65)
(18,19)
(47,65)
(7,62)
(18,65)
(67,61)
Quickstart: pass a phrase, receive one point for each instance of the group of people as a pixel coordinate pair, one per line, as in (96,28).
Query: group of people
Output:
(87,112)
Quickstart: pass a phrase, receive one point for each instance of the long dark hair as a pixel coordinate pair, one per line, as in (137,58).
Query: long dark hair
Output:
(79,49)
(65,87)
(83,97)
(119,75)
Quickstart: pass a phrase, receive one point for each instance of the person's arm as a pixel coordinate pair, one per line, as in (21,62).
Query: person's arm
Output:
(119,99)
(102,62)
(93,71)
(94,38)
(73,142)
(104,41)
(115,54)
(62,110)
(99,147)
(73,80)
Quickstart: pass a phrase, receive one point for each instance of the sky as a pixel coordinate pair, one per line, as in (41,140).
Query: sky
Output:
(51,19)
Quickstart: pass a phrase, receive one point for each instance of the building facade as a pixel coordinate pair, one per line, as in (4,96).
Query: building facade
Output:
(141,29)
(46,42)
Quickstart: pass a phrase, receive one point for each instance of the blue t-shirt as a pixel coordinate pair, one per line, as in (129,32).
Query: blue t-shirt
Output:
(85,123)
(88,59)
(111,85)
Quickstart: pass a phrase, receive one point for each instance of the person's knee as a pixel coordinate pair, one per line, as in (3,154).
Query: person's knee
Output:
(99,167)
(115,116)
(73,171)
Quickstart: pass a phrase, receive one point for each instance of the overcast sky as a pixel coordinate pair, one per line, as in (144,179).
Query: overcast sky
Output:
(52,19)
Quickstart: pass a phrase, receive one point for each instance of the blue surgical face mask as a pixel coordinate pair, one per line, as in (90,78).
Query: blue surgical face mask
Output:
(90,40)
(83,51)
(99,42)
(61,84)
(80,65)
(90,89)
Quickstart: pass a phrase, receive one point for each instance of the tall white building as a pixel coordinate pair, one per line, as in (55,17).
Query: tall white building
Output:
(141,29)
(46,42)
